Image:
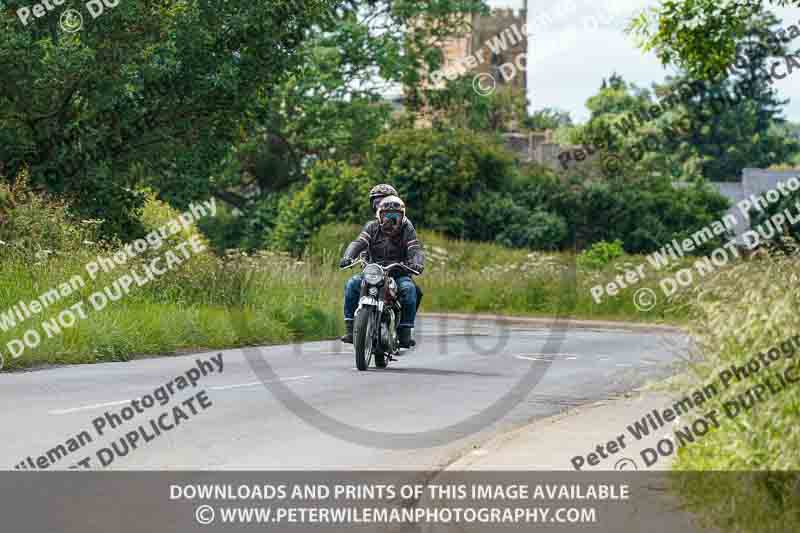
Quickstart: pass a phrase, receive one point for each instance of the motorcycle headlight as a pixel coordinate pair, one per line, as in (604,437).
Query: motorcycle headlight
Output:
(373,274)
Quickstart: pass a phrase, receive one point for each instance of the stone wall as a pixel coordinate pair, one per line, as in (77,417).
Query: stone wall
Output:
(539,147)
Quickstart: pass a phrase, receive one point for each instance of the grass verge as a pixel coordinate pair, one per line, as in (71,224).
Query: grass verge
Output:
(281,299)
(750,461)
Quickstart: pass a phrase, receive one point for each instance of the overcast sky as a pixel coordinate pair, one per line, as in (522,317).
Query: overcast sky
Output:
(587,43)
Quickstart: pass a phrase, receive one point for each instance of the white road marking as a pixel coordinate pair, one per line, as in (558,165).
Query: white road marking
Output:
(254,383)
(547,356)
(86,407)
(122,402)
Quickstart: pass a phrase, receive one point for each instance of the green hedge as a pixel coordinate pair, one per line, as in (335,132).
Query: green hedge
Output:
(466,186)
(336,192)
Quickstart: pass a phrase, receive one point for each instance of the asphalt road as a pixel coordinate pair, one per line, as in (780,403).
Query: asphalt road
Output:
(458,370)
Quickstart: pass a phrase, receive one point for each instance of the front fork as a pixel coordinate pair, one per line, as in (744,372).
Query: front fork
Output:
(376,302)
(369,304)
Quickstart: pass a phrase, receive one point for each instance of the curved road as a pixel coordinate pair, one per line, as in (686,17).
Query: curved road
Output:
(458,369)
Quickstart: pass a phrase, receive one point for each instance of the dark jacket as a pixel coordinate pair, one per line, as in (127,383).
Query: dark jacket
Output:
(383,249)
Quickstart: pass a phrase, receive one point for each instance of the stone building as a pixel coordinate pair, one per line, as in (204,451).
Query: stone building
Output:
(496,44)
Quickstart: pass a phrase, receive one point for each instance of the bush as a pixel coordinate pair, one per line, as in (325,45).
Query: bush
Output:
(336,192)
(786,240)
(500,218)
(330,242)
(232,229)
(539,230)
(440,173)
(465,185)
(437,173)
(600,254)
(644,215)
(34,225)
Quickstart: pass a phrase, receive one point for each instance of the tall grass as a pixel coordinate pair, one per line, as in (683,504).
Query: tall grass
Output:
(239,299)
(480,277)
(207,302)
(742,311)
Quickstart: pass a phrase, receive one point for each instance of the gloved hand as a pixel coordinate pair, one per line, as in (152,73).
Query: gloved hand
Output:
(345,262)
(416,267)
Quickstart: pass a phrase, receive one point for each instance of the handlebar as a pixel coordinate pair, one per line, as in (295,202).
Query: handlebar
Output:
(357,261)
(389,267)
(361,261)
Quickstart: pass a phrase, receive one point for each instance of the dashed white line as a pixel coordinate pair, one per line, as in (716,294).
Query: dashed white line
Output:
(86,407)
(547,356)
(122,402)
(254,383)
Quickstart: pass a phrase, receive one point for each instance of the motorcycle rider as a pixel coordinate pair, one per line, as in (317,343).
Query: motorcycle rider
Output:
(389,239)
(378,193)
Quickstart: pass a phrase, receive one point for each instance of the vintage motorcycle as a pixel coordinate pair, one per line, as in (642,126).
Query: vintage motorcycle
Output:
(377,315)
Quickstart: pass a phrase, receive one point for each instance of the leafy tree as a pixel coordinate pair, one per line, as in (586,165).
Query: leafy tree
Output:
(548,119)
(699,36)
(544,212)
(150,89)
(459,105)
(791,132)
(193,98)
(731,125)
(330,106)
(336,192)
(501,217)
(644,215)
(622,127)
(440,172)
(713,132)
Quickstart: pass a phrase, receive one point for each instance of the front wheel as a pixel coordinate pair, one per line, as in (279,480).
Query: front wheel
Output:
(363,336)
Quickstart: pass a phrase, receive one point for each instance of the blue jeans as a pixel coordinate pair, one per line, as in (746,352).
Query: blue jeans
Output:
(407,296)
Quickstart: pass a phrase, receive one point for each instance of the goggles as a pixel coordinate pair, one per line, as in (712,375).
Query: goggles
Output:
(391,217)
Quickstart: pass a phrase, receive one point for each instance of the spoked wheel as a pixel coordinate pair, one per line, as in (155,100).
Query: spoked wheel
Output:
(363,337)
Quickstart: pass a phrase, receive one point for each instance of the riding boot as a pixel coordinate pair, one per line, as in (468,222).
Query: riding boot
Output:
(348,336)
(404,336)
